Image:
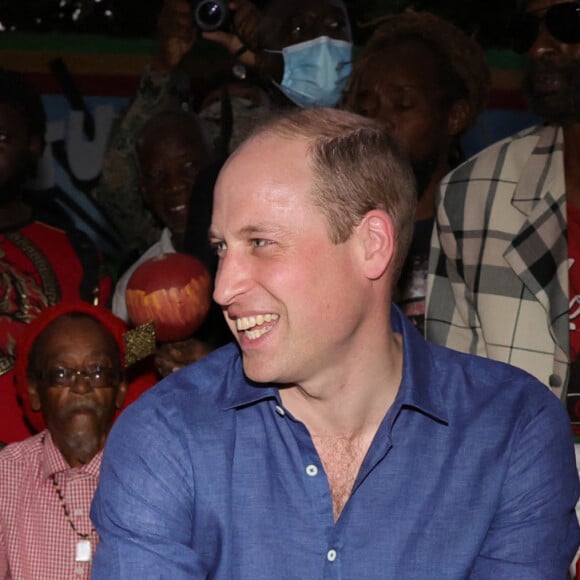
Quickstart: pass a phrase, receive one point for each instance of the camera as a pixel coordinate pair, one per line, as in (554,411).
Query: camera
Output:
(210,15)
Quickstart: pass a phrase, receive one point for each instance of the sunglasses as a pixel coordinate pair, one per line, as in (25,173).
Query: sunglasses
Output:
(562,21)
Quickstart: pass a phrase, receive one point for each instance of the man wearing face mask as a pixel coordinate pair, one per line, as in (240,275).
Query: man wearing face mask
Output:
(302,48)
(504,273)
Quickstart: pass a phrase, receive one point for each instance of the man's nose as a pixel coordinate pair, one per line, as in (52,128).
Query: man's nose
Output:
(543,44)
(81,383)
(232,279)
(175,181)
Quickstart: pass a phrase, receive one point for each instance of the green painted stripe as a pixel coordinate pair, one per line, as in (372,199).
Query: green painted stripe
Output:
(73,43)
(89,44)
(505,59)
(104,45)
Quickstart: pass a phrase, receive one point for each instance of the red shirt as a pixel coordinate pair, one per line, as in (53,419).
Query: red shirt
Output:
(38,267)
(36,539)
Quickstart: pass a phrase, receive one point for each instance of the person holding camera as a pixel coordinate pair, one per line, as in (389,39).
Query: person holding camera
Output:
(271,48)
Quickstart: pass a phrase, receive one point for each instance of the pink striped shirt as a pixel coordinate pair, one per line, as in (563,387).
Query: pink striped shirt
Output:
(36,539)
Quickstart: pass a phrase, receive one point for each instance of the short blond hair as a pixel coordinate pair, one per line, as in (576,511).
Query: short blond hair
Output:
(357,167)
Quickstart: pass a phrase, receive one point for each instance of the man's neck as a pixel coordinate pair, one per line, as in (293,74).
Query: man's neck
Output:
(353,401)
(13,213)
(178,240)
(343,417)
(572,163)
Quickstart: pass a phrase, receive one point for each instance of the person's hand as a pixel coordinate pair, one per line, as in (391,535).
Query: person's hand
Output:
(172,356)
(177,33)
(241,42)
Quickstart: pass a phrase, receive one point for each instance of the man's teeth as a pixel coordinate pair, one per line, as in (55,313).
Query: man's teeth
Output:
(177,208)
(248,322)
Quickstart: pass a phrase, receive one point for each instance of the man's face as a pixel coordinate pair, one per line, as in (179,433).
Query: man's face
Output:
(552,79)
(289,23)
(407,101)
(292,298)
(171,160)
(17,150)
(78,417)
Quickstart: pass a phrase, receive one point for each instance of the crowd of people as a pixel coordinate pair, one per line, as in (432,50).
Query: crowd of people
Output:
(386,384)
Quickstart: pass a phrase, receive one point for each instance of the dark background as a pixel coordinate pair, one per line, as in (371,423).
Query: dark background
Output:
(487,20)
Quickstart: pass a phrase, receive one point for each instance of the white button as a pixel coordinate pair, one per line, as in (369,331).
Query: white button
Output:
(312,470)
(79,512)
(79,571)
(331,555)
(280,411)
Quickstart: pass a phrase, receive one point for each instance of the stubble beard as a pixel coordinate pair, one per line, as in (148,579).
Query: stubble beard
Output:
(561,107)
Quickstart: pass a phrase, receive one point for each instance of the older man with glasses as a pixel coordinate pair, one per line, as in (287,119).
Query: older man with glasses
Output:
(504,272)
(70,372)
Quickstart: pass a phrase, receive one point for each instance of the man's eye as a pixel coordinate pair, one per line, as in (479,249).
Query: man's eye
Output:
(3,137)
(59,376)
(261,242)
(296,32)
(95,372)
(218,247)
(155,175)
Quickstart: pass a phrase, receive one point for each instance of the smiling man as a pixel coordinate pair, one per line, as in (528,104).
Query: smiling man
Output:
(332,441)
(173,153)
(70,373)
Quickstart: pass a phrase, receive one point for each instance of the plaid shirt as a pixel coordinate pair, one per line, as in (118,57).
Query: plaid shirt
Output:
(36,540)
(498,269)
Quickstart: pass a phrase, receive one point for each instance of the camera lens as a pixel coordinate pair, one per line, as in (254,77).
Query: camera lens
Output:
(210,15)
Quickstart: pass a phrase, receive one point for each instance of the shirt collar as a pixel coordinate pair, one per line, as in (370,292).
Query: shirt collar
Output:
(53,462)
(241,391)
(419,388)
(165,242)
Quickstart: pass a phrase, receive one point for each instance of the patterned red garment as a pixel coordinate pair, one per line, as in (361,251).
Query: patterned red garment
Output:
(39,267)
(36,539)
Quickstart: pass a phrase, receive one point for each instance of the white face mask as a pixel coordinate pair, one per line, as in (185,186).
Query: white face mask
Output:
(316,71)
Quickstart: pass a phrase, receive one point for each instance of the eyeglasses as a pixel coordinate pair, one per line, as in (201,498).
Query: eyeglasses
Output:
(97,377)
(562,21)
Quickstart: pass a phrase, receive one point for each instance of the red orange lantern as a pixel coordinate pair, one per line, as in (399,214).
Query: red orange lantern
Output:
(173,291)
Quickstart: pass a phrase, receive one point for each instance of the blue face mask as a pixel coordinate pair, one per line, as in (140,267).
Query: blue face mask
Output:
(316,71)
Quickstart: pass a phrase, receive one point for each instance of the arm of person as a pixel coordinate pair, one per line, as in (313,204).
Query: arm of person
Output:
(143,506)
(451,318)
(534,534)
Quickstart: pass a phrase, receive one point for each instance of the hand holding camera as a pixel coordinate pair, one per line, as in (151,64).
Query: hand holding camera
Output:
(231,24)
(237,31)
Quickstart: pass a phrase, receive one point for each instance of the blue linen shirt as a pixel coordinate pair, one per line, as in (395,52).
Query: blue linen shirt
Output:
(470,475)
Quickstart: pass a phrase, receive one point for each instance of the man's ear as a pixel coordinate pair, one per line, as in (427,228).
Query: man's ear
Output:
(458,116)
(33,395)
(121,393)
(377,236)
